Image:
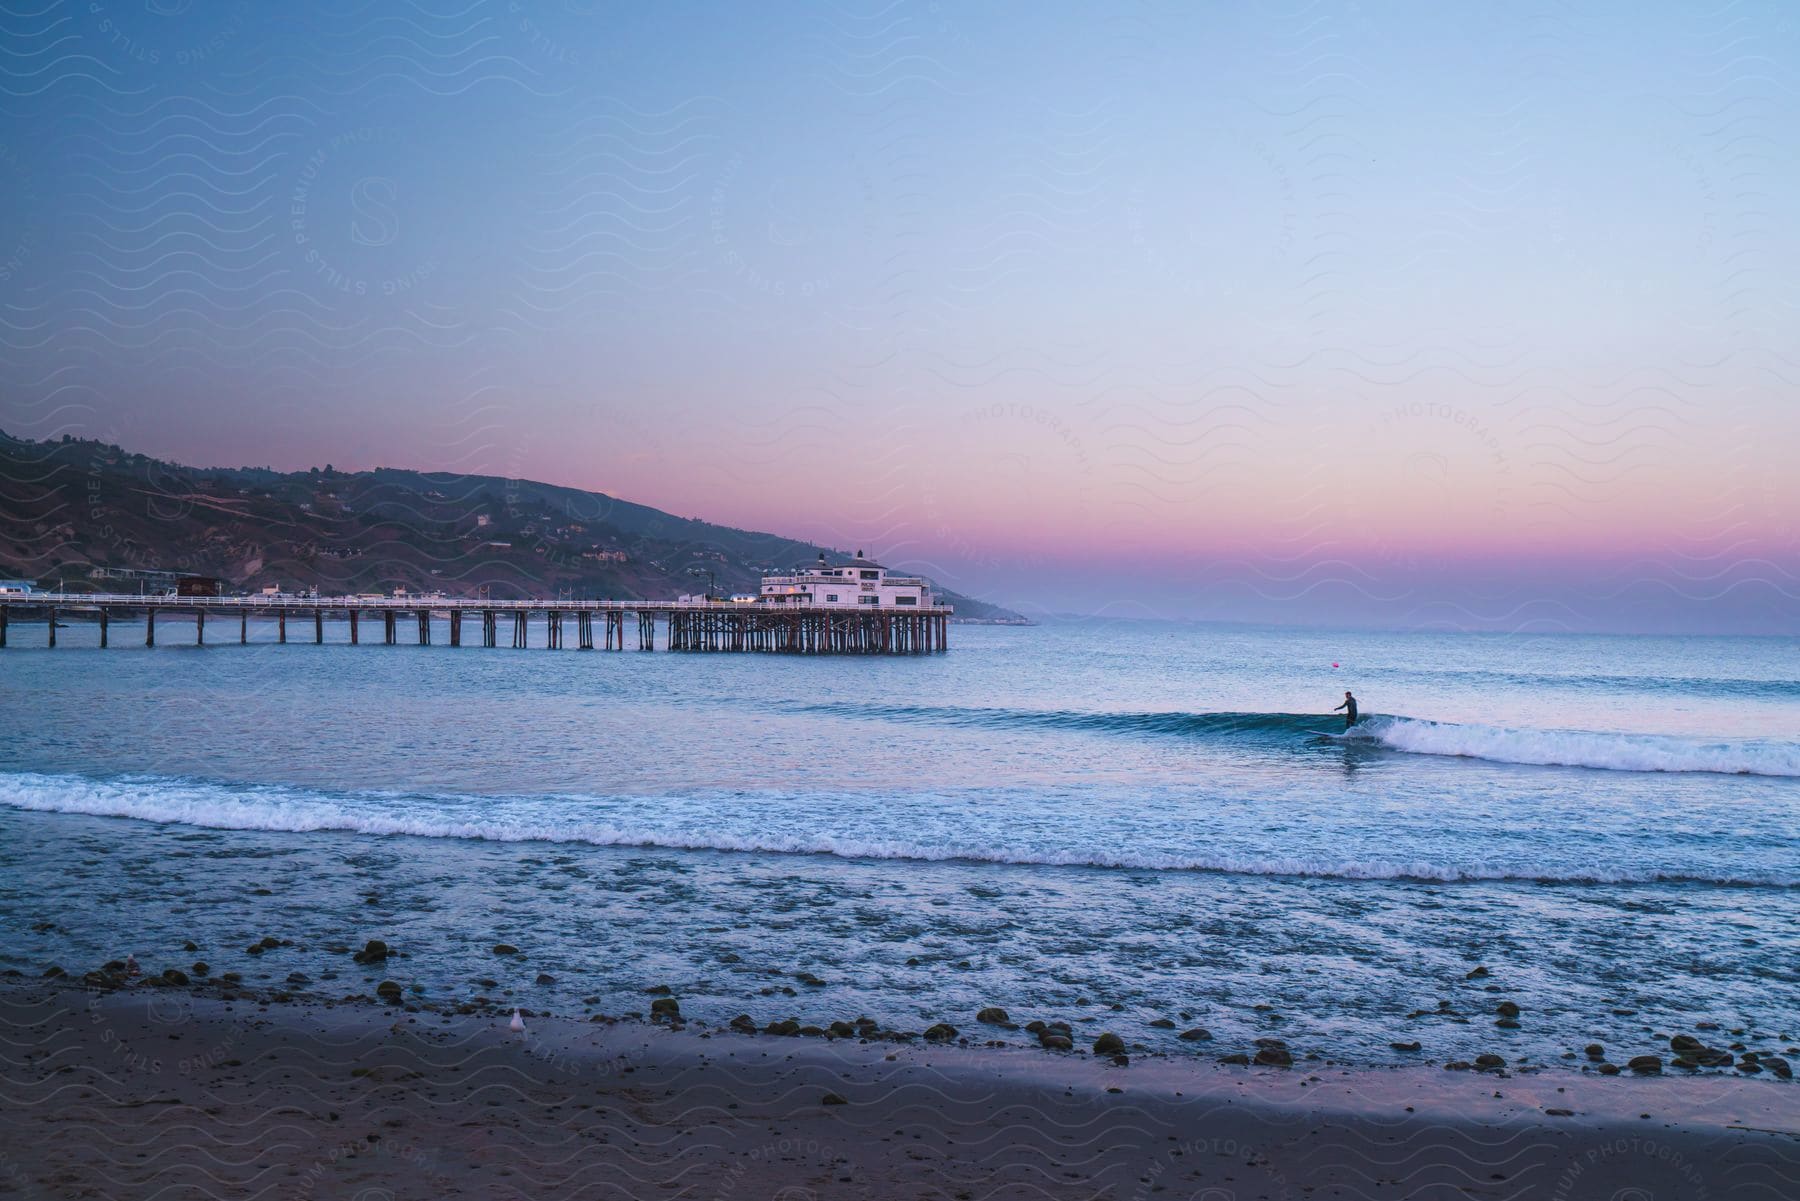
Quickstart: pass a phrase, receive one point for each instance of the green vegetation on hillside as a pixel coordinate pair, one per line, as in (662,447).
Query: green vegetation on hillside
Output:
(72,506)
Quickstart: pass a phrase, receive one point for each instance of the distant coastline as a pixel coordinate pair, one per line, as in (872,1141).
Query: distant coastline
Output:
(107,519)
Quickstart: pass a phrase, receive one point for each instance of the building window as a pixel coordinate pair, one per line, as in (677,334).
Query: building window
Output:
(871,575)
(869,600)
(831,598)
(906,600)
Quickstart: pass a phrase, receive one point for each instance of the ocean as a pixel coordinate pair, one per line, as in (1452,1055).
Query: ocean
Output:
(1121,825)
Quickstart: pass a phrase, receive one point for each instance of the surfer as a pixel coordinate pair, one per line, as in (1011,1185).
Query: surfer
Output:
(1349,708)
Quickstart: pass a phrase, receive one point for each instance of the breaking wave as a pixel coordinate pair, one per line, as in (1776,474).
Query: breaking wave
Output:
(209,805)
(1548,748)
(1579,748)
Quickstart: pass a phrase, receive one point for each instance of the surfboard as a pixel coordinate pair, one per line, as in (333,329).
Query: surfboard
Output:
(1337,737)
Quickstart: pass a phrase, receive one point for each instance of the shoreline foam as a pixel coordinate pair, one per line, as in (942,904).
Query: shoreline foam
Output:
(289,809)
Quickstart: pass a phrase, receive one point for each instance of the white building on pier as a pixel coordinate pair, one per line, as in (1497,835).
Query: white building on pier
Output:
(860,581)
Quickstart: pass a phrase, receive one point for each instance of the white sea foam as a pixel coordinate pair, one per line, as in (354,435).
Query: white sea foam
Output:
(1578,748)
(293,810)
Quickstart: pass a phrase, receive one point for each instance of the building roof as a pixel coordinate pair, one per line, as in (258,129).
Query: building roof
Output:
(859,561)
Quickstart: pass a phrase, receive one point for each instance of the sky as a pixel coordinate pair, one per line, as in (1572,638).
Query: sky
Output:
(1352,313)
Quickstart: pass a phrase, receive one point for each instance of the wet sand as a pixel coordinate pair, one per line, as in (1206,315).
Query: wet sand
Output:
(157,1091)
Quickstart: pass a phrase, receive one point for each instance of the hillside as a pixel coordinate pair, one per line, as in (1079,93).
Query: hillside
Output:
(70,507)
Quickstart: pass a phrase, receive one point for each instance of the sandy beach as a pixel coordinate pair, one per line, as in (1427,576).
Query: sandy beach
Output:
(161,1091)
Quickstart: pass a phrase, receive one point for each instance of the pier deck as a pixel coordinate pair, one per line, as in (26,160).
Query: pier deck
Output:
(686,625)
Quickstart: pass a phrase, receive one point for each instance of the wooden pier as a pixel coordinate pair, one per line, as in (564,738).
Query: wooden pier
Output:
(597,625)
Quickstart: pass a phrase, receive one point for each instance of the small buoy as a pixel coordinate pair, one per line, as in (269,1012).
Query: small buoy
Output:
(518,1023)
(1334,665)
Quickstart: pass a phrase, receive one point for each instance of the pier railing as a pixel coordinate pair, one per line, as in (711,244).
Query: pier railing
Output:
(709,625)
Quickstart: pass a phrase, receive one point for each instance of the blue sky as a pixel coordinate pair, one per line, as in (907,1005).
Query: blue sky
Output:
(1372,312)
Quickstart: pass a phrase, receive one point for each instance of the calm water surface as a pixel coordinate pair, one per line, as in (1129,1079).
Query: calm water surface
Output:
(1105,823)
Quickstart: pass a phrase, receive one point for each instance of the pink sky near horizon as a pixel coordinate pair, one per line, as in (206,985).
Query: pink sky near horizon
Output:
(1018,489)
(1032,498)
(1349,505)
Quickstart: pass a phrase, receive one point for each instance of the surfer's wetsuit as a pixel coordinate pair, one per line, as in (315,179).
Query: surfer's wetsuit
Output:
(1349,708)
